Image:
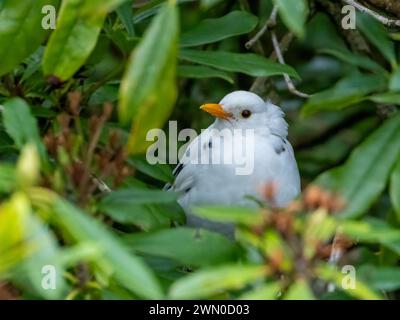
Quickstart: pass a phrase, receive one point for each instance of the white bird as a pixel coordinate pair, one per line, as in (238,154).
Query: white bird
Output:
(201,181)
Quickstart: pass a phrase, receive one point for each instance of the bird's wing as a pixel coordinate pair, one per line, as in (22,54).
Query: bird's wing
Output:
(186,170)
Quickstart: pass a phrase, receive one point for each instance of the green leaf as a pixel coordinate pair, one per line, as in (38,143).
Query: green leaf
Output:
(363,177)
(21,31)
(145,208)
(44,261)
(268,291)
(213,30)
(160,172)
(240,215)
(125,14)
(300,290)
(386,98)
(194,248)
(376,33)
(14,217)
(380,278)
(294,14)
(394,84)
(372,230)
(207,282)
(247,63)
(354,59)
(360,290)
(7,177)
(395,188)
(129,270)
(21,125)
(348,91)
(148,88)
(78,27)
(134,196)
(199,72)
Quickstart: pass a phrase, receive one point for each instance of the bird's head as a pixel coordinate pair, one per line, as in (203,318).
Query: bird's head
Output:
(243,109)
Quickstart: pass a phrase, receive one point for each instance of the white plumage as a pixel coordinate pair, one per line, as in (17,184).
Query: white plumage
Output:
(273,159)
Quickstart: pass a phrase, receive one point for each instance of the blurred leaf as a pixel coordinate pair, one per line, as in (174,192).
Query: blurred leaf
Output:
(74,38)
(247,63)
(268,291)
(319,229)
(206,282)
(148,87)
(300,290)
(195,248)
(21,31)
(125,14)
(371,230)
(395,188)
(353,59)
(376,33)
(21,125)
(129,270)
(294,14)
(386,98)
(380,278)
(361,290)
(14,215)
(348,91)
(213,30)
(241,215)
(363,177)
(394,84)
(45,254)
(199,72)
(7,177)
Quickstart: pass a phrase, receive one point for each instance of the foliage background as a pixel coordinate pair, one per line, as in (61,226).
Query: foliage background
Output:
(77,193)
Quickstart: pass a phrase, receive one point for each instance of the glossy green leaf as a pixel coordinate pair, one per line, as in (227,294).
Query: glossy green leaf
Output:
(348,91)
(129,270)
(195,248)
(78,27)
(376,33)
(241,215)
(148,88)
(294,14)
(395,188)
(206,282)
(21,30)
(363,177)
(213,30)
(247,63)
(199,72)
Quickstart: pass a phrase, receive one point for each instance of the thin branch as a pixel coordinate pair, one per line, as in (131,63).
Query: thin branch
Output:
(288,80)
(384,20)
(269,24)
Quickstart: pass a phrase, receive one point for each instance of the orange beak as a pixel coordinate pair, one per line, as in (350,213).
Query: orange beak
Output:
(215,110)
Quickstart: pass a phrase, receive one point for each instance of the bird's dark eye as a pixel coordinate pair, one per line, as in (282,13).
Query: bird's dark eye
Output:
(246,113)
